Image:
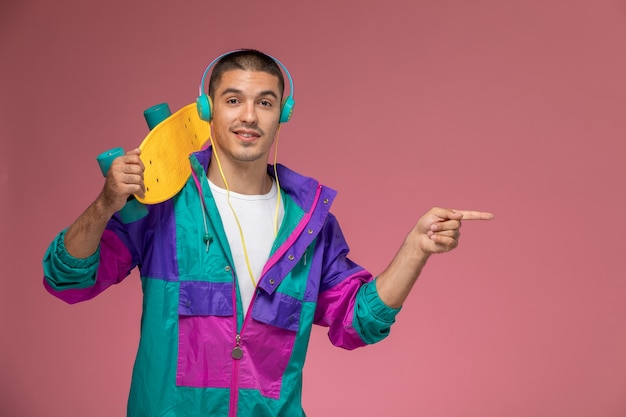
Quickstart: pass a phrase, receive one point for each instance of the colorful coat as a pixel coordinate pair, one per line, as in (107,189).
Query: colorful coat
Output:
(192,325)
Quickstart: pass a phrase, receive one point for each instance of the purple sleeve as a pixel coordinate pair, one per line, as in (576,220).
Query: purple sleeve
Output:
(348,302)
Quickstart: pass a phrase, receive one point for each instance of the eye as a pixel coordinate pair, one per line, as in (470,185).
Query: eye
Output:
(232,101)
(266,103)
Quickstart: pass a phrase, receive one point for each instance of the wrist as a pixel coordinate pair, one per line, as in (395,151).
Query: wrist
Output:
(415,248)
(104,208)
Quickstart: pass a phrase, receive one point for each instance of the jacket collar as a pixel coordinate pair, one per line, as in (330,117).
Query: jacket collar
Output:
(300,188)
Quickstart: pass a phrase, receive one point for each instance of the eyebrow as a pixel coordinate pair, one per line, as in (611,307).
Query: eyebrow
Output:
(232,90)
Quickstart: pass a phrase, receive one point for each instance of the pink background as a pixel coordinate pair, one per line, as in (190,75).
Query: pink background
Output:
(516,107)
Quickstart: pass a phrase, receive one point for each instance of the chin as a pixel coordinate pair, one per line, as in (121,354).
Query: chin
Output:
(248,157)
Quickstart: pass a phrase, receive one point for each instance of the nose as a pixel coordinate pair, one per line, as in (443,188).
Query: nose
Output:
(248,113)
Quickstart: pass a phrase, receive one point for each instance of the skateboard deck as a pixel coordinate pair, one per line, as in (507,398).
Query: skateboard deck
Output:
(165,153)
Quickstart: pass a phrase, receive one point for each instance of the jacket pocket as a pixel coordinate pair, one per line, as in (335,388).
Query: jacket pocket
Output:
(278,310)
(205,334)
(202,298)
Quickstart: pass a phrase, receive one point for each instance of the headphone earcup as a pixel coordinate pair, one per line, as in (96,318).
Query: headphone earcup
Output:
(203,104)
(287,110)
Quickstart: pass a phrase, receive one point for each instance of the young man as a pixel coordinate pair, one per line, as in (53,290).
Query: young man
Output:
(238,266)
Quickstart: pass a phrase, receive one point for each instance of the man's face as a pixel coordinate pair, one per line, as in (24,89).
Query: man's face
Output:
(246,113)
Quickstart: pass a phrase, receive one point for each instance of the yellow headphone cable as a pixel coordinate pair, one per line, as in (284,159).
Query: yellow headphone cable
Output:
(278,200)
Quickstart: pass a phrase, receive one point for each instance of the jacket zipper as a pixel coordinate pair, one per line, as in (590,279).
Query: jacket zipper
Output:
(237,351)
(234,383)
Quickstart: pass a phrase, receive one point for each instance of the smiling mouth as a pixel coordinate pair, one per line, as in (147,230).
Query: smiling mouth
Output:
(247,133)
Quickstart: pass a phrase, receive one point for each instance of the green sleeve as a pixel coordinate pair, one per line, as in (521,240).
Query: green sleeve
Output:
(372,317)
(63,271)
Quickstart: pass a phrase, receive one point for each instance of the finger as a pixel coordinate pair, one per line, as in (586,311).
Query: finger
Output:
(447,233)
(445,214)
(133,169)
(130,164)
(446,243)
(135,154)
(137,189)
(142,192)
(445,225)
(132,179)
(474,215)
(134,186)
(126,174)
(125,184)
(133,160)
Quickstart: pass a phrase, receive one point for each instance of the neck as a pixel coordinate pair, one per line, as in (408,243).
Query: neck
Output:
(243,178)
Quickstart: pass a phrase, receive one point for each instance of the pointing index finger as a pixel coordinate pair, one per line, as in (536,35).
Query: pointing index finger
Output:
(474,215)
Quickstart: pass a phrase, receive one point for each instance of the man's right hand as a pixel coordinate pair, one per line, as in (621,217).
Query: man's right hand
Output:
(125,178)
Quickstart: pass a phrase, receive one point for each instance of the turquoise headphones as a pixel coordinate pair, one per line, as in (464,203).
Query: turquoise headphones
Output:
(203,102)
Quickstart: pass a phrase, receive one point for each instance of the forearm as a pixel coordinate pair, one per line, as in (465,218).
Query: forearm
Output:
(83,236)
(436,231)
(395,283)
(125,177)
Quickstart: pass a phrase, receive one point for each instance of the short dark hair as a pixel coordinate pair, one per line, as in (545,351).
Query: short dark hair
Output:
(247,60)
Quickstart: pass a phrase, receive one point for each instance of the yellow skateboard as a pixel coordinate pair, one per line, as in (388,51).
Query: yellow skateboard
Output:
(164,153)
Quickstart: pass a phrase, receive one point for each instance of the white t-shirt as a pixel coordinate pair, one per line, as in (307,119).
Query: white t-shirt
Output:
(257,217)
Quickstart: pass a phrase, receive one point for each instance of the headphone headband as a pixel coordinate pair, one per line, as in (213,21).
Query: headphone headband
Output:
(204,104)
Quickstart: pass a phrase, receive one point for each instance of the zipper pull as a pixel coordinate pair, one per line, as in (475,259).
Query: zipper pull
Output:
(207,239)
(237,352)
